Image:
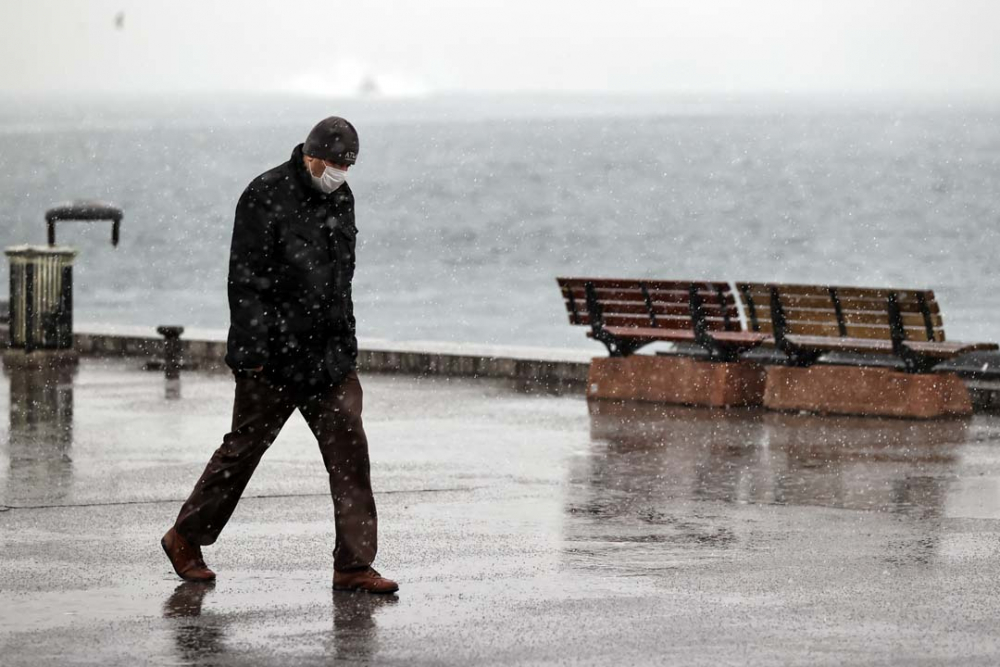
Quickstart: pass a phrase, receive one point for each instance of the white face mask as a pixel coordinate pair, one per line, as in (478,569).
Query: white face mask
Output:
(330,180)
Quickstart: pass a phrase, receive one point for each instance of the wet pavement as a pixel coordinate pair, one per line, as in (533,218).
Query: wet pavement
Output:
(524,529)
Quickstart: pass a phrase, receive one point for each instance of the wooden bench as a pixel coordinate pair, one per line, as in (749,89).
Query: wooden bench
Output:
(807,321)
(802,322)
(627,314)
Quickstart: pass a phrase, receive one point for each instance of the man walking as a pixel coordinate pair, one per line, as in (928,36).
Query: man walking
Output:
(292,346)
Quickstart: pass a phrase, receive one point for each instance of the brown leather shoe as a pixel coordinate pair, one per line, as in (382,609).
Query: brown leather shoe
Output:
(367,580)
(185,557)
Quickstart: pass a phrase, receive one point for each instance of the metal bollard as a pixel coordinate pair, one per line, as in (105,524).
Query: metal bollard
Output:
(173,351)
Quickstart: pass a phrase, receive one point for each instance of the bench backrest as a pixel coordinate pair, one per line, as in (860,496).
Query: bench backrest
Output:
(660,304)
(831,311)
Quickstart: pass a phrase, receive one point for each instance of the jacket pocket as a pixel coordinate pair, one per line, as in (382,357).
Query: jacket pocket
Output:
(340,357)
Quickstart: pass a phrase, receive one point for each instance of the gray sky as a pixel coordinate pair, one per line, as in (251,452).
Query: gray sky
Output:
(329,46)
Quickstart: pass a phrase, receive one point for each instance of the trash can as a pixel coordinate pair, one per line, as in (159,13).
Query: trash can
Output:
(41,290)
(41,297)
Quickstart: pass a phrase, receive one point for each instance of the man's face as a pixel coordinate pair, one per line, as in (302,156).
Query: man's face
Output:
(317,166)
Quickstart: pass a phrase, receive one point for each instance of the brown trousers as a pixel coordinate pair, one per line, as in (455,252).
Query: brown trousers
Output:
(259,412)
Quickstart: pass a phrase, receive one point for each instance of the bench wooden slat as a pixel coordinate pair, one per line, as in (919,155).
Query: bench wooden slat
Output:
(937,350)
(741,337)
(845,292)
(731,339)
(763,300)
(670,322)
(850,316)
(839,344)
(870,332)
(948,350)
(651,335)
(636,295)
(659,308)
(632,283)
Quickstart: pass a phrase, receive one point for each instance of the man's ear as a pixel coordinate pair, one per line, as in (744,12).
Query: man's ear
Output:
(309,163)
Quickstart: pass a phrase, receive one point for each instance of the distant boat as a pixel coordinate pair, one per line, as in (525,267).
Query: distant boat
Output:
(369,87)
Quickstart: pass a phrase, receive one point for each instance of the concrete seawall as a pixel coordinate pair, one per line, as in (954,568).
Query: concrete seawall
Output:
(540,368)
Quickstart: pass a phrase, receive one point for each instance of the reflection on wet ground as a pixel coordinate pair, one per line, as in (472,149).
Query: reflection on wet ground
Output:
(643,451)
(355,628)
(201,637)
(198,638)
(40,433)
(644,459)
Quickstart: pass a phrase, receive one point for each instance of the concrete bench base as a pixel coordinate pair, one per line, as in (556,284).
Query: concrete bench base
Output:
(676,380)
(865,391)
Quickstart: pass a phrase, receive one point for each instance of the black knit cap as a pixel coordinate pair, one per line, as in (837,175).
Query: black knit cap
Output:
(333,139)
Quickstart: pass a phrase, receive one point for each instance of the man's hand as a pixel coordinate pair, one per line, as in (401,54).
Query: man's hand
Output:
(249,373)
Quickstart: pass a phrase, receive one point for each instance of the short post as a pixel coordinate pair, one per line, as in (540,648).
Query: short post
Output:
(173,352)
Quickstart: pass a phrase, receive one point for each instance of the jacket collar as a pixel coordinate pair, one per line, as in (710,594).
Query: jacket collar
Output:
(301,174)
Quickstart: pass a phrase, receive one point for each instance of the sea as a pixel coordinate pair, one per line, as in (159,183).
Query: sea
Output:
(470,206)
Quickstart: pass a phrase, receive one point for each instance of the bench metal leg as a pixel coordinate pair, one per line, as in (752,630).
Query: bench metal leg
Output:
(794,355)
(616,346)
(699,324)
(913,362)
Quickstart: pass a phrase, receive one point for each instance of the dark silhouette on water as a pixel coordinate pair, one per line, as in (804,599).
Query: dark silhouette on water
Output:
(355,631)
(198,638)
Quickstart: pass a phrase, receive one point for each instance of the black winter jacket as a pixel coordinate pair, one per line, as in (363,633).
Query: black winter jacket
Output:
(290,270)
